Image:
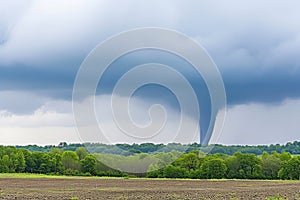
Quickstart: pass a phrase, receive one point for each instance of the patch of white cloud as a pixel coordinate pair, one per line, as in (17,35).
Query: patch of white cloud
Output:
(262,124)
(54,122)
(40,135)
(106,128)
(57,116)
(41,117)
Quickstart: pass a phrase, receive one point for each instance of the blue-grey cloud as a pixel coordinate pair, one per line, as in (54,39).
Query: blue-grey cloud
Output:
(255,45)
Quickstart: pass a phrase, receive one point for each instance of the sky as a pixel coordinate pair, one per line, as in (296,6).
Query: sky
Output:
(254,44)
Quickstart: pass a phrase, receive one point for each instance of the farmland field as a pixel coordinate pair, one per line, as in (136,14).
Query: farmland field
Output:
(35,187)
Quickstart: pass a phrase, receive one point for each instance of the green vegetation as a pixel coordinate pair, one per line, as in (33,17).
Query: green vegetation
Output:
(127,149)
(27,175)
(238,166)
(276,198)
(194,164)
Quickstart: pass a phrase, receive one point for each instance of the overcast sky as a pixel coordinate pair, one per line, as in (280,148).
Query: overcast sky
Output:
(255,44)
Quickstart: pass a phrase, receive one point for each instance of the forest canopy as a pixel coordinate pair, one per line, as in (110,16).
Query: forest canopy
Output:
(230,162)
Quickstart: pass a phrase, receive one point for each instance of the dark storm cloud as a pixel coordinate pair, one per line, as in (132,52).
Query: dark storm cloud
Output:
(257,54)
(37,79)
(242,86)
(272,86)
(255,44)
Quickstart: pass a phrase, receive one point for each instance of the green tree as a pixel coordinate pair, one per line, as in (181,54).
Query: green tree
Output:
(291,169)
(88,164)
(284,156)
(18,161)
(55,151)
(154,172)
(244,166)
(29,163)
(70,160)
(271,165)
(213,168)
(81,152)
(233,167)
(56,157)
(189,161)
(5,163)
(171,171)
(42,162)
(57,163)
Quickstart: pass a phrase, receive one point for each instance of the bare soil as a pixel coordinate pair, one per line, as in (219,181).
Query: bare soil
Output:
(45,188)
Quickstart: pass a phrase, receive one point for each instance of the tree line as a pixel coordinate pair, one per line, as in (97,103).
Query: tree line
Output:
(131,149)
(54,162)
(237,166)
(194,164)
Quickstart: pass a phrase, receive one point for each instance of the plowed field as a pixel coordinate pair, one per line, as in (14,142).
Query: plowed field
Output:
(49,188)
